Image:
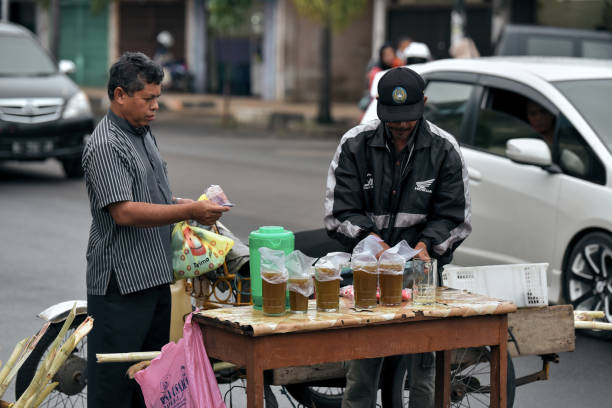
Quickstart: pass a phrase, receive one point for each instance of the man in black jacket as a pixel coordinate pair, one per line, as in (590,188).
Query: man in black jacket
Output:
(398,178)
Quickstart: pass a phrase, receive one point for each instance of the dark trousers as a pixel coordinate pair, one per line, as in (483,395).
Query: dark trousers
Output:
(137,321)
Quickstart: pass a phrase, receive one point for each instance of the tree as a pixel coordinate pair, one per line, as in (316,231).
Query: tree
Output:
(224,17)
(332,15)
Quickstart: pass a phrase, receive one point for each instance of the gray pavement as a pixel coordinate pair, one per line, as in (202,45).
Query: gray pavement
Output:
(273,179)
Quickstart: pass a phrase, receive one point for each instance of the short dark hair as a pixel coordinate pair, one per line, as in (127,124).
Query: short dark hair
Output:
(132,71)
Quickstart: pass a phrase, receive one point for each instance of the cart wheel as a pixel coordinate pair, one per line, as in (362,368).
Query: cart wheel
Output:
(470,373)
(587,281)
(72,376)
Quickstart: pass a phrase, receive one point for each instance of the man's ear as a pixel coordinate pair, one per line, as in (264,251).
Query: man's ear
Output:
(119,95)
(424,100)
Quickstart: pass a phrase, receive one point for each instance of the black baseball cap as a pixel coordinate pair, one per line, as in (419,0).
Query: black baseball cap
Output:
(400,96)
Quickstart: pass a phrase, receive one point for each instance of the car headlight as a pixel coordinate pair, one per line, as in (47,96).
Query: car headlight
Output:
(78,105)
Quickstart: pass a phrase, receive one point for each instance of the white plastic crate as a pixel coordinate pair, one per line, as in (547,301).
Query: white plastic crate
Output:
(523,284)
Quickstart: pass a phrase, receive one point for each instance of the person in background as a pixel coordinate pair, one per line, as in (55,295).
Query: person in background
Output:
(386,60)
(129,254)
(542,121)
(416,53)
(402,45)
(398,178)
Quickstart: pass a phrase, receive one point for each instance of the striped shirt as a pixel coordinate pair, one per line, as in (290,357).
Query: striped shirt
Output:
(122,163)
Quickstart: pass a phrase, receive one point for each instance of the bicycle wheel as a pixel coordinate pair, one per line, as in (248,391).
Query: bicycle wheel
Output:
(72,375)
(470,380)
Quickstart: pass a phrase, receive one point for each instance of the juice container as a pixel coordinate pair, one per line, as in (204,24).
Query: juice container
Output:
(270,237)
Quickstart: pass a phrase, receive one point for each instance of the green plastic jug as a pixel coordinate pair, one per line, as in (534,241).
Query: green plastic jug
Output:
(268,237)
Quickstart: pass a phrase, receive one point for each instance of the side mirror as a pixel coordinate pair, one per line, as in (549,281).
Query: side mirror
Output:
(529,151)
(66,67)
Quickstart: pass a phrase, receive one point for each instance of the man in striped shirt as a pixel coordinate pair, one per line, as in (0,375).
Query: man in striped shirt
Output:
(129,263)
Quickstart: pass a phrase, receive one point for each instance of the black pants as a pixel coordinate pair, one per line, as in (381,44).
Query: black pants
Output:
(123,323)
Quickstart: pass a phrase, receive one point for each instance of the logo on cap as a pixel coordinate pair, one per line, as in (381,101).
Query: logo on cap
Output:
(399,95)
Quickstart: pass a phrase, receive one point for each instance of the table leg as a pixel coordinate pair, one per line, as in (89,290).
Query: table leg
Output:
(499,369)
(443,359)
(255,384)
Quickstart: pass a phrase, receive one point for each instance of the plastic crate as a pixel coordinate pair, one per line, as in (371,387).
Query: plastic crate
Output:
(523,284)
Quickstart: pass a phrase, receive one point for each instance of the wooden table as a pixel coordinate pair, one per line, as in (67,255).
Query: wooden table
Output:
(245,337)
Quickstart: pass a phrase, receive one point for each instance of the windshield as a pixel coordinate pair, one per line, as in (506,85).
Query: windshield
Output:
(23,56)
(590,98)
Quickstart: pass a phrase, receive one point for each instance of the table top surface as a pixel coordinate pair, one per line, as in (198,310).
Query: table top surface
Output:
(449,303)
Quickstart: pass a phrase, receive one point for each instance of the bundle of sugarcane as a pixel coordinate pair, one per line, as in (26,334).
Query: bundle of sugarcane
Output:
(584,319)
(40,386)
(20,354)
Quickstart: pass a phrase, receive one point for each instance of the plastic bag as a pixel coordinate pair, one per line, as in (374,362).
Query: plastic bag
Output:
(364,254)
(216,194)
(300,270)
(272,265)
(393,260)
(181,376)
(196,251)
(329,267)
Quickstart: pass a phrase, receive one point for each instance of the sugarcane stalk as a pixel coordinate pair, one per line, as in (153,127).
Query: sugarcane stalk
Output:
(43,373)
(587,315)
(127,357)
(31,343)
(592,325)
(9,365)
(44,394)
(70,344)
(222,365)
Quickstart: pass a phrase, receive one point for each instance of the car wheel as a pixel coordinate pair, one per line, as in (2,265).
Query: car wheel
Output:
(587,281)
(73,167)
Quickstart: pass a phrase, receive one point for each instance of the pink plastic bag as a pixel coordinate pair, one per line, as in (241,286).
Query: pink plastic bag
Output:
(181,376)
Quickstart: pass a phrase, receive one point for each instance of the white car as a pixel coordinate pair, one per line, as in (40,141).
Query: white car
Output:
(538,195)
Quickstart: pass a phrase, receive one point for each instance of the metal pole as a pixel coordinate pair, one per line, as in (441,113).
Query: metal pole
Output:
(5,10)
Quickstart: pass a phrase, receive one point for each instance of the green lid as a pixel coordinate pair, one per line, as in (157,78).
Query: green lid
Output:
(270,232)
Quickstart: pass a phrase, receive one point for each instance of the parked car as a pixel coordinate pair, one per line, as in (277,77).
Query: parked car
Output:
(536,196)
(554,42)
(43,114)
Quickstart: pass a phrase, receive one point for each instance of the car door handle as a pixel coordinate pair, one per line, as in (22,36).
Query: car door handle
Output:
(474,174)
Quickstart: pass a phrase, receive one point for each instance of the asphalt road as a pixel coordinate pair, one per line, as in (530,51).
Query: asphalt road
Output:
(272,180)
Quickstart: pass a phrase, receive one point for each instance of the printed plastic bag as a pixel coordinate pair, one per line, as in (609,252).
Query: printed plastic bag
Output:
(329,267)
(393,260)
(181,376)
(364,254)
(299,267)
(196,251)
(272,265)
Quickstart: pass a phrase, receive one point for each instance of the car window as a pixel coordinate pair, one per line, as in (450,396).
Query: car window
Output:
(575,157)
(502,117)
(597,49)
(550,47)
(446,104)
(23,56)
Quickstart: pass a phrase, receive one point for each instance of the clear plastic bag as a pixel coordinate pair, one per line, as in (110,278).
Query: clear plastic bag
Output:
(300,270)
(392,261)
(329,267)
(272,265)
(216,194)
(364,254)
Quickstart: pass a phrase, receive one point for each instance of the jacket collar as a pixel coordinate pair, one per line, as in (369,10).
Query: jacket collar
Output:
(423,136)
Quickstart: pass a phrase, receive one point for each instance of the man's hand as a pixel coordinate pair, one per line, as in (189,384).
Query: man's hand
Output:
(206,212)
(423,255)
(382,243)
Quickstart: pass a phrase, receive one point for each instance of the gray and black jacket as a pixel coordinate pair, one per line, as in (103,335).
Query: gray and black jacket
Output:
(429,202)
